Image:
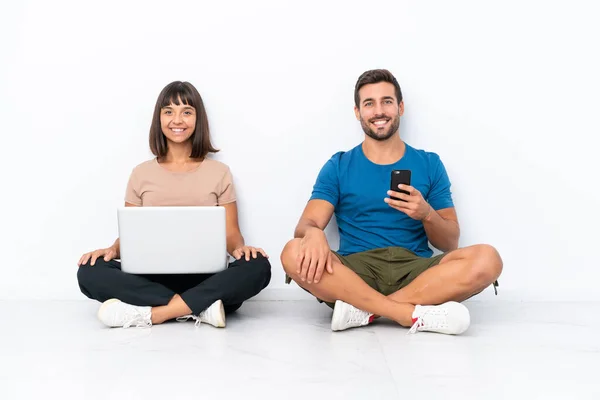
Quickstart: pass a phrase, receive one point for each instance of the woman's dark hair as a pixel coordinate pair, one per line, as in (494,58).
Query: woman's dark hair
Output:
(181,93)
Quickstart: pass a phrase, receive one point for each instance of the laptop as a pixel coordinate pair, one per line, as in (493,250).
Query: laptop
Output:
(172,240)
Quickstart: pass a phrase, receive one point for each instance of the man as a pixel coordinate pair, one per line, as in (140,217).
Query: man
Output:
(384,266)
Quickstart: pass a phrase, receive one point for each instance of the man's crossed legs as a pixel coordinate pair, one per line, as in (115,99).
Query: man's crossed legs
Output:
(428,290)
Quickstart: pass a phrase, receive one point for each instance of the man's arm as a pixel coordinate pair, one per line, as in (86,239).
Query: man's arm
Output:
(317,214)
(442,228)
(315,255)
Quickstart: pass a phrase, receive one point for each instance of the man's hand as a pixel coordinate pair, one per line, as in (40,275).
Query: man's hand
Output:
(109,253)
(314,256)
(414,205)
(248,251)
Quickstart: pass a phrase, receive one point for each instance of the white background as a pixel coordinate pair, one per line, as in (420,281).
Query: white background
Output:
(506,92)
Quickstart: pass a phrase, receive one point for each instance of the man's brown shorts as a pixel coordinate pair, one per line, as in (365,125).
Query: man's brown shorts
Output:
(387,270)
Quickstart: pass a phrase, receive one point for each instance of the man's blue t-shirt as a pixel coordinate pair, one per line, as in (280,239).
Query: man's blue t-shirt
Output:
(356,187)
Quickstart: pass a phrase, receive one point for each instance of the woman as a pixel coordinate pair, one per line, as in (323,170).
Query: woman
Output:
(180,175)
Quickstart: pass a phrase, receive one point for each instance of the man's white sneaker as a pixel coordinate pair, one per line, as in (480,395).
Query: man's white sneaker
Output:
(451,318)
(347,316)
(213,315)
(115,313)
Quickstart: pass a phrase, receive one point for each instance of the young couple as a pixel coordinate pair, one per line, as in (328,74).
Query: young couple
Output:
(383,268)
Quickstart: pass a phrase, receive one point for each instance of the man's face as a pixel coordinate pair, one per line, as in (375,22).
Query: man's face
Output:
(378,111)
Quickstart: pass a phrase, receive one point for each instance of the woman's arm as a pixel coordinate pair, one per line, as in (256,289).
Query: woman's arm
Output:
(235,240)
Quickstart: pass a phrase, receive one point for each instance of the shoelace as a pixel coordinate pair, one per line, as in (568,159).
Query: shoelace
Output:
(357,316)
(436,321)
(137,319)
(186,317)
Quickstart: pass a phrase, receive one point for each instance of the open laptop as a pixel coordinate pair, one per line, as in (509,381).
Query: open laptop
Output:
(172,240)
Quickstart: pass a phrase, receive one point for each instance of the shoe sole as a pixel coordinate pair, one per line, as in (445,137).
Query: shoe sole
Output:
(336,317)
(465,319)
(102,307)
(221,316)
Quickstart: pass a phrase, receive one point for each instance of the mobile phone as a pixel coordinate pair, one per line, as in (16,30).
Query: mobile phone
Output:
(399,177)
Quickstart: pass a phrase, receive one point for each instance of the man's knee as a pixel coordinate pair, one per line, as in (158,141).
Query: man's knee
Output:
(289,256)
(486,265)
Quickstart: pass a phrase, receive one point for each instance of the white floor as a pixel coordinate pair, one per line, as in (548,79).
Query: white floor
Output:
(285,350)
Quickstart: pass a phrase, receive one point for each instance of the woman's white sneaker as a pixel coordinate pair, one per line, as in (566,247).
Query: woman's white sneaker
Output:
(115,313)
(213,315)
(450,318)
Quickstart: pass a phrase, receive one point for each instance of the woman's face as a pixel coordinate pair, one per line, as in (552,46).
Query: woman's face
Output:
(178,122)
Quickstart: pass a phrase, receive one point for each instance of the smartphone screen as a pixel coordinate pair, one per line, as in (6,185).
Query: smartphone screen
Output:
(399,177)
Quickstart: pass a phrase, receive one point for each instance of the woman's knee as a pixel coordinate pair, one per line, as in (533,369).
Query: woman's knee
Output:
(82,274)
(87,280)
(260,266)
(88,274)
(85,274)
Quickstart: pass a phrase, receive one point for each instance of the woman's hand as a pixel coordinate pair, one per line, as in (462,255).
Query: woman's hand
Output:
(109,253)
(248,251)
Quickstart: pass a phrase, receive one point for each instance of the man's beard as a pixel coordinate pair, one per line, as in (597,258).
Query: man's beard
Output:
(381,136)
